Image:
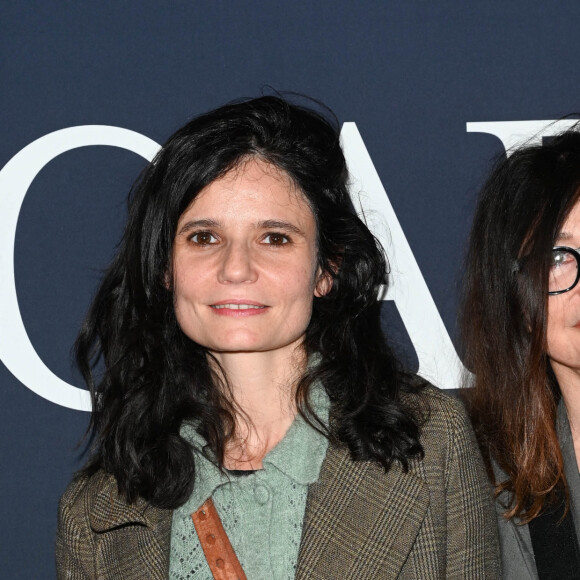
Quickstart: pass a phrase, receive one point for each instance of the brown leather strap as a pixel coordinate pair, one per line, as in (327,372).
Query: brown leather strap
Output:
(218,550)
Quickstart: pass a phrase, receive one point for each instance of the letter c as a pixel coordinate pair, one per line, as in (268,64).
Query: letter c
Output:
(16,350)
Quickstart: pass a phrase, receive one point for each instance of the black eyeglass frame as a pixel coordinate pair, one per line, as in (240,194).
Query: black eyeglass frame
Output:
(576,254)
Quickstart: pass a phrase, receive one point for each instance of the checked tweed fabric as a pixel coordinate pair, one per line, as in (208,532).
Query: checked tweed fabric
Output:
(435,521)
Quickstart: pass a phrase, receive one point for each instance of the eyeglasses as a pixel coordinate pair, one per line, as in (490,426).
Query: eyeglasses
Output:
(564,270)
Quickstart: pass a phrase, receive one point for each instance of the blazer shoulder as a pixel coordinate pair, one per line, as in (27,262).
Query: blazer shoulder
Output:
(444,425)
(138,546)
(434,406)
(95,500)
(83,491)
(75,541)
(453,469)
(84,485)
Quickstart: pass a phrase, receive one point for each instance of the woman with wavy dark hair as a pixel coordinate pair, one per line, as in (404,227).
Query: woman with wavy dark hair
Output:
(521,333)
(250,418)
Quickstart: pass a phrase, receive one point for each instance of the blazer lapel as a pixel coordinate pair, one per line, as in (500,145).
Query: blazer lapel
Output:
(133,540)
(360,520)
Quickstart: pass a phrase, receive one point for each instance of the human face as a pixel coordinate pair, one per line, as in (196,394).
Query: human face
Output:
(245,263)
(563,333)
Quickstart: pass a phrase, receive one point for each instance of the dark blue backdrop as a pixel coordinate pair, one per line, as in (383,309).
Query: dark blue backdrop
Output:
(409,74)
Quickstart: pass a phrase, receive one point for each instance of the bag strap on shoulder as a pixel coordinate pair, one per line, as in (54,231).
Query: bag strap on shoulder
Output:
(218,550)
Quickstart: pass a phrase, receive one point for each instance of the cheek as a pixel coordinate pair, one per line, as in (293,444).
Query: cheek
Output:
(180,306)
(186,291)
(562,337)
(554,328)
(305,299)
(302,282)
(294,290)
(188,277)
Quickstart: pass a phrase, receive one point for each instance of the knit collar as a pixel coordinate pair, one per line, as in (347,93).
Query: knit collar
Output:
(299,455)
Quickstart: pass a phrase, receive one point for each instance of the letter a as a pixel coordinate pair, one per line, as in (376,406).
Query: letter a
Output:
(438,361)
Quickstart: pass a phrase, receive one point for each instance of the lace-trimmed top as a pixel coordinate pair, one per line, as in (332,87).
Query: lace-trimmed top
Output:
(262,512)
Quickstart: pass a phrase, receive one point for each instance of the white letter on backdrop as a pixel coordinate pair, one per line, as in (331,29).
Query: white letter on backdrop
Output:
(438,361)
(515,133)
(16,350)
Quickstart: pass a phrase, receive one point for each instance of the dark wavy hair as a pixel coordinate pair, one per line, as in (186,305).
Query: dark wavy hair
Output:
(503,320)
(155,378)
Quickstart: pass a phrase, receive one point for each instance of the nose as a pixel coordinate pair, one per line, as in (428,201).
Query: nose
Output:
(237,265)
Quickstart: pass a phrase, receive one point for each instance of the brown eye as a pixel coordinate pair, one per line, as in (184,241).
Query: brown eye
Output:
(203,238)
(276,239)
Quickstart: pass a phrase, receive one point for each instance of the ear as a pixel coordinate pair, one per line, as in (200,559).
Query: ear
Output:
(323,283)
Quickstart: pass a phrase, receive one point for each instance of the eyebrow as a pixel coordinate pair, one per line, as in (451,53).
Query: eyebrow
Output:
(263,225)
(194,224)
(280,225)
(563,236)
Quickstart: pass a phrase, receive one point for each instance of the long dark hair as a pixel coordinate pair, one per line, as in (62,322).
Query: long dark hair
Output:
(155,378)
(521,210)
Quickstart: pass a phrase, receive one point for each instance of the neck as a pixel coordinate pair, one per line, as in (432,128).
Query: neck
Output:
(263,386)
(569,382)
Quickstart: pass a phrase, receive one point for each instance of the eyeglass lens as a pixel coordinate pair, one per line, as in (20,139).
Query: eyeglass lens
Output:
(563,270)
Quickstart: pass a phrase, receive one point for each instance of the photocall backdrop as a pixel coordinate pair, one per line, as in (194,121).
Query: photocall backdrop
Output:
(427,94)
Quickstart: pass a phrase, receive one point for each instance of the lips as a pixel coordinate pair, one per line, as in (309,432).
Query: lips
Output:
(237,306)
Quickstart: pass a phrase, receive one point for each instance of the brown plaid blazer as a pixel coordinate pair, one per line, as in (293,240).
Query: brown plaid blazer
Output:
(435,521)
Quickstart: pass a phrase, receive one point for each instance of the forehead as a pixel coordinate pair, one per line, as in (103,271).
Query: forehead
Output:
(571,227)
(252,187)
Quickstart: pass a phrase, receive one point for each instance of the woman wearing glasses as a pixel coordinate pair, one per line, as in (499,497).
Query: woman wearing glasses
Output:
(521,333)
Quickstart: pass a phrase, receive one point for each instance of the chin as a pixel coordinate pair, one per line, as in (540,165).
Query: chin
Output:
(247,346)
(237,345)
